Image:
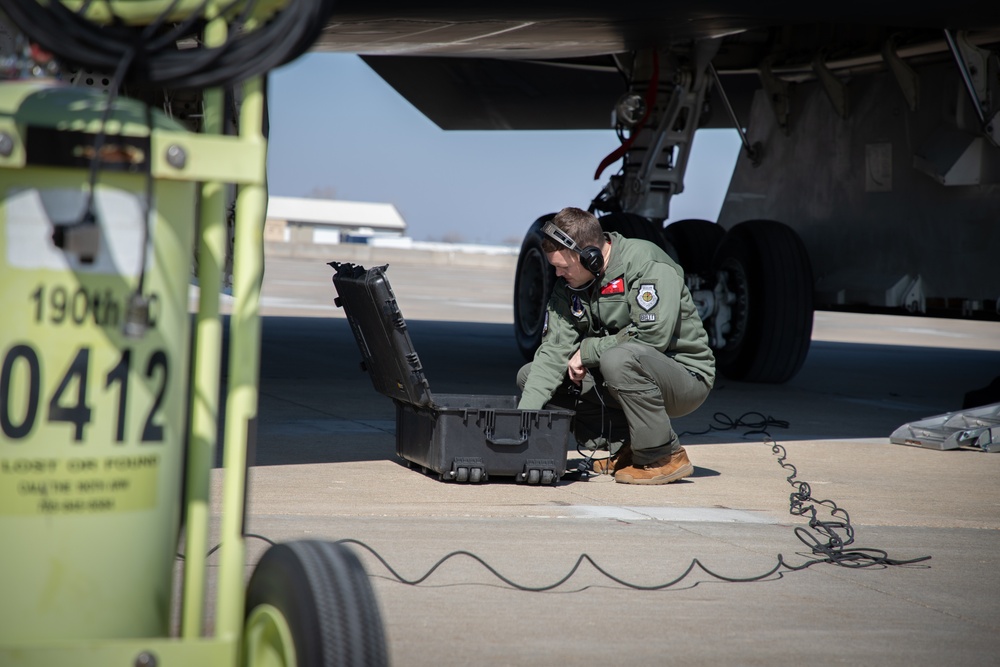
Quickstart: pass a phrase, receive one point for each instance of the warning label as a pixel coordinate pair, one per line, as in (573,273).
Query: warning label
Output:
(89,485)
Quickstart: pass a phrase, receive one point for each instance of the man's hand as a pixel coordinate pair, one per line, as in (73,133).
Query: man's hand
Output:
(575,368)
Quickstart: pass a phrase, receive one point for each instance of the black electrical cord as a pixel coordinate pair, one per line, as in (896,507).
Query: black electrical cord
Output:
(726,423)
(87,215)
(755,421)
(583,558)
(828,542)
(244,54)
(832,551)
(586,467)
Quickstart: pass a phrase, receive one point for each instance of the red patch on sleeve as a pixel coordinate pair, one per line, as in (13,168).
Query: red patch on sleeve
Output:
(616,286)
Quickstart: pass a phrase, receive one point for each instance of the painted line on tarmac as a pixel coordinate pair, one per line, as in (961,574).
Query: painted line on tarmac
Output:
(695,514)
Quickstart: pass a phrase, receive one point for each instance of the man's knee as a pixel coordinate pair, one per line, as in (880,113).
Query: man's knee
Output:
(522,376)
(619,365)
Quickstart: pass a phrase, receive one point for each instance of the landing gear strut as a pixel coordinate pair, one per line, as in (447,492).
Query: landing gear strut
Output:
(752,285)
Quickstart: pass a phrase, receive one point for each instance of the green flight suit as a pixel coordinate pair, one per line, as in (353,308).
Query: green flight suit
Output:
(645,348)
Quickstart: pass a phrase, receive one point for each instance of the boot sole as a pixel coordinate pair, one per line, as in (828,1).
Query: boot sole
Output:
(680,473)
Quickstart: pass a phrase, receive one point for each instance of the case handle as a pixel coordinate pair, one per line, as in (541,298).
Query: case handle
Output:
(503,442)
(490,429)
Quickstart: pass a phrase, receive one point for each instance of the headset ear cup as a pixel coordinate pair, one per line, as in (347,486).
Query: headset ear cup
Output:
(592,259)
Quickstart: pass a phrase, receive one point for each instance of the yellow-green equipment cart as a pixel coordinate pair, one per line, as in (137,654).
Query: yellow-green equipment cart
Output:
(109,396)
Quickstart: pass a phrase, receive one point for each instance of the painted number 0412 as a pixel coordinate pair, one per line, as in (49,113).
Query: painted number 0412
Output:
(68,403)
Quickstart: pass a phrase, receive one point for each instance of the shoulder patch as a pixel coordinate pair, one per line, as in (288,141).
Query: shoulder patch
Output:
(616,286)
(647,297)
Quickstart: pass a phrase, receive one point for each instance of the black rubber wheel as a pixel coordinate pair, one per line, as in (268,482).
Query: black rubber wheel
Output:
(321,591)
(633,226)
(766,268)
(694,242)
(533,281)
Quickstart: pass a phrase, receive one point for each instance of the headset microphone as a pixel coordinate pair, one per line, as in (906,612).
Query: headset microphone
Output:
(590,257)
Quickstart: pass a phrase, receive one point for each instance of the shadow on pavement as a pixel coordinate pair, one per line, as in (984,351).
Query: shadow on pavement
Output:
(316,404)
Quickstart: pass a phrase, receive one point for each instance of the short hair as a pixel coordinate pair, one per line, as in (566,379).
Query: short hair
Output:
(579,225)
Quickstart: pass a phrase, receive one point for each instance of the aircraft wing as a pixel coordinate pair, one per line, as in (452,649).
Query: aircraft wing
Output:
(530,66)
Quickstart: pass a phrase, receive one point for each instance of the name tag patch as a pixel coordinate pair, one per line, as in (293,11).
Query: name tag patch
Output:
(647,317)
(647,297)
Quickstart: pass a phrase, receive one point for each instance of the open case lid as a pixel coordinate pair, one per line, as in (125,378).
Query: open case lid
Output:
(380,330)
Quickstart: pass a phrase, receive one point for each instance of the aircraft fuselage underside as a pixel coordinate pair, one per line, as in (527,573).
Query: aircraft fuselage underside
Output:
(897,208)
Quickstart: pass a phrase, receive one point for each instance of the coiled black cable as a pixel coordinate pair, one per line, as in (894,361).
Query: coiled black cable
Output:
(828,540)
(757,422)
(838,534)
(156,59)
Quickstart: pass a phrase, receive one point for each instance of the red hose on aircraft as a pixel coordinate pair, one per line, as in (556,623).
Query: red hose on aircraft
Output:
(617,154)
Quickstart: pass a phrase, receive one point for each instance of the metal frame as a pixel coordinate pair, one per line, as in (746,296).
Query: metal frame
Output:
(975,428)
(214,161)
(656,153)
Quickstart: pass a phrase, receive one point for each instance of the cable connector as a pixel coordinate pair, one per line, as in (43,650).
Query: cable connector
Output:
(136,316)
(82,239)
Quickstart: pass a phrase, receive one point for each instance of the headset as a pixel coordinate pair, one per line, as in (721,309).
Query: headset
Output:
(590,257)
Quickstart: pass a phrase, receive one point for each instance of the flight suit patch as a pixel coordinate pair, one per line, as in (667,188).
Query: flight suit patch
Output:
(647,317)
(616,286)
(577,307)
(647,297)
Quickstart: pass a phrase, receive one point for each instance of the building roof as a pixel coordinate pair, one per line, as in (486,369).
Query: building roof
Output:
(335,212)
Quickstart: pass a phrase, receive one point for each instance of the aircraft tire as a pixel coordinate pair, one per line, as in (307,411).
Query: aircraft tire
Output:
(533,281)
(310,604)
(766,266)
(633,226)
(694,243)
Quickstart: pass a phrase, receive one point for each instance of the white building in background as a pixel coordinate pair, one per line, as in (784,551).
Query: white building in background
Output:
(301,220)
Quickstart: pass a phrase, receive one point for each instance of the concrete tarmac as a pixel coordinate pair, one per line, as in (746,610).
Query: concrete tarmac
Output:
(326,469)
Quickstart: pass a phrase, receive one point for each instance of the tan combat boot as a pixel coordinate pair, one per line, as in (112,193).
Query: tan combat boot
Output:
(613,464)
(664,470)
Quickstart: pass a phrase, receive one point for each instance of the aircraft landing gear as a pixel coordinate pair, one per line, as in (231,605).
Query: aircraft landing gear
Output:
(763,303)
(693,244)
(533,280)
(752,285)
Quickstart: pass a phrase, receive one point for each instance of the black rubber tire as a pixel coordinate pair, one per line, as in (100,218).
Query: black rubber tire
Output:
(766,266)
(533,281)
(695,242)
(323,593)
(633,226)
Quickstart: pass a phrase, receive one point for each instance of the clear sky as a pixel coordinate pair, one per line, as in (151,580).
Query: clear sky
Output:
(339,131)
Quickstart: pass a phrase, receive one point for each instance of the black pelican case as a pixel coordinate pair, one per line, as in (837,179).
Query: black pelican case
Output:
(462,438)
